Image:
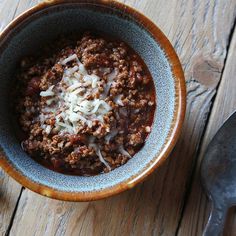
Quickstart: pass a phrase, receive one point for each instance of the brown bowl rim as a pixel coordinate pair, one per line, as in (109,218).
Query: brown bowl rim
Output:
(177,123)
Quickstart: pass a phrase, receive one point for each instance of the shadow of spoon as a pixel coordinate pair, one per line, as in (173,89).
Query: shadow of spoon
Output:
(218,172)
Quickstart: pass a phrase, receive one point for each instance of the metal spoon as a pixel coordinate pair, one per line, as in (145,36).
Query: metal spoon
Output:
(218,173)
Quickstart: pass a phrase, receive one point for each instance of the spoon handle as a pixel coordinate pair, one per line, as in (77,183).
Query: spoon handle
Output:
(215,224)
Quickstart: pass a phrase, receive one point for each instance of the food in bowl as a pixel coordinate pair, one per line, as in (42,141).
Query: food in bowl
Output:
(86,107)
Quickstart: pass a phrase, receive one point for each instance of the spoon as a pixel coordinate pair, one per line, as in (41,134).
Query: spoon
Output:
(218,172)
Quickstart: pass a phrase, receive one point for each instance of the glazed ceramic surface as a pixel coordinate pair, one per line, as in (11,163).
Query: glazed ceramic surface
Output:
(44,24)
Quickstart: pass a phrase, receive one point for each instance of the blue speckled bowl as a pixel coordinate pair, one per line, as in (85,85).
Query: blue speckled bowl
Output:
(44,23)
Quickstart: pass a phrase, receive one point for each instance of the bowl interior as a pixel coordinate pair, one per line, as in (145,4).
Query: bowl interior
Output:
(45,26)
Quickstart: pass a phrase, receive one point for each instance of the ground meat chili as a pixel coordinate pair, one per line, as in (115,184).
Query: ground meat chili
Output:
(86,107)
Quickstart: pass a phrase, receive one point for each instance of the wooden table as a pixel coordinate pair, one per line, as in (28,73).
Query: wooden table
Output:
(171,201)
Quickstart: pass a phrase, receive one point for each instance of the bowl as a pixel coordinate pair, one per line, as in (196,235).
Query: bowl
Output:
(43,24)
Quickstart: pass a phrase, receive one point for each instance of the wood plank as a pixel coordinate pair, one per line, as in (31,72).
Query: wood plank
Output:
(9,190)
(200,35)
(7,12)
(225,103)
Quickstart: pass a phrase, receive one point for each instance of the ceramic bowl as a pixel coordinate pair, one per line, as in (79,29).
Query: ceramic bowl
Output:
(43,24)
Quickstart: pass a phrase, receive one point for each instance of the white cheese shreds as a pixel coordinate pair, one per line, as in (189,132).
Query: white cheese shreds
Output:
(110,82)
(68,127)
(77,75)
(68,59)
(74,117)
(99,154)
(74,69)
(47,93)
(22,145)
(148,129)
(80,103)
(50,101)
(124,152)
(68,99)
(102,159)
(100,118)
(91,107)
(60,145)
(74,86)
(89,123)
(79,90)
(48,129)
(93,79)
(118,100)
(82,69)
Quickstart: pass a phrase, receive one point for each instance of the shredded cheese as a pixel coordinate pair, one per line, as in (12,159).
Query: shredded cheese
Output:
(124,152)
(69,97)
(68,59)
(47,93)
(118,100)
(68,105)
(99,154)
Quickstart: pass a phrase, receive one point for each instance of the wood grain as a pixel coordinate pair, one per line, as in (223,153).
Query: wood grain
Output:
(9,189)
(9,192)
(224,105)
(199,31)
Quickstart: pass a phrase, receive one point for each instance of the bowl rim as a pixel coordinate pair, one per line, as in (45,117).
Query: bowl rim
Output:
(178,117)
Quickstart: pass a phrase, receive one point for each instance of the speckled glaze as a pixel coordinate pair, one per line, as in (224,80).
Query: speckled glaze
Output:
(44,23)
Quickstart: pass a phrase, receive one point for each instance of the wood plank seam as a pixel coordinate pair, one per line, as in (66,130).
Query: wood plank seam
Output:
(14,213)
(189,182)
(14,14)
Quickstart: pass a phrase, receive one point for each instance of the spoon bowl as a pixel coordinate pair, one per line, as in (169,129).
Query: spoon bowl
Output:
(218,173)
